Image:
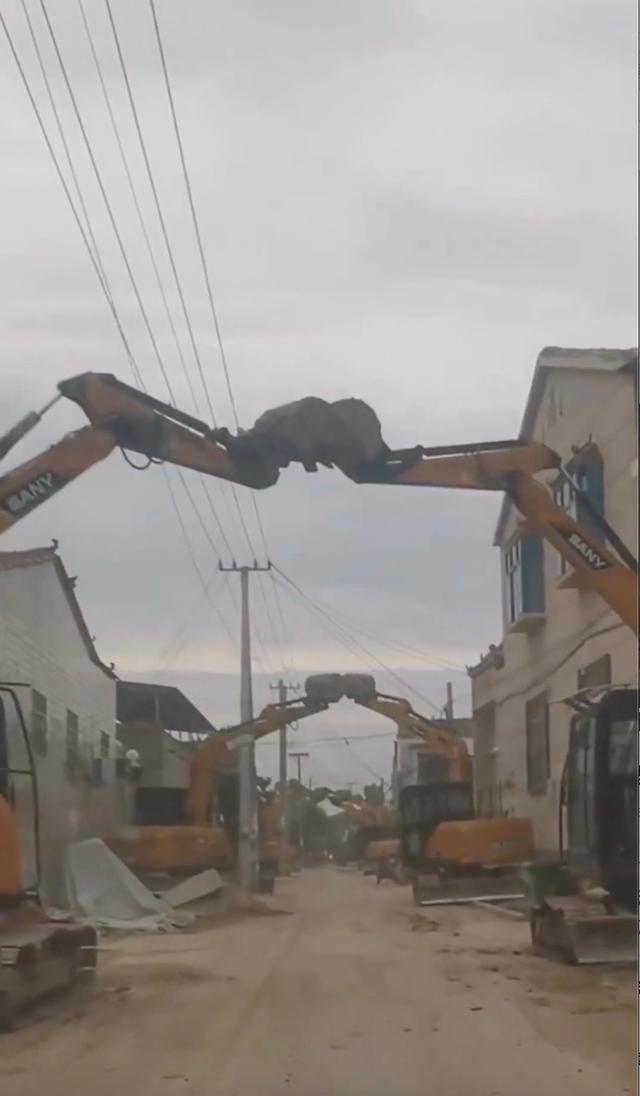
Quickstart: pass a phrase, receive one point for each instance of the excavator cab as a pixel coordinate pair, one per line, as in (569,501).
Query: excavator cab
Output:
(601,793)
(583,909)
(423,807)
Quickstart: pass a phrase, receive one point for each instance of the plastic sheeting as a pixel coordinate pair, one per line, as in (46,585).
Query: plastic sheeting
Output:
(101,890)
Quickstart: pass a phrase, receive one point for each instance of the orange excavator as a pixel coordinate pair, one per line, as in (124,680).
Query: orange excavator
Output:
(345,434)
(202,842)
(450,840)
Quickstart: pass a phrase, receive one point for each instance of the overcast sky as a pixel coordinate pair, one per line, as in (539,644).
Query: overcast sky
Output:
(401,200)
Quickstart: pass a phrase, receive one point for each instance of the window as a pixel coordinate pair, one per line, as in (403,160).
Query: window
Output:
(587,470)
(73,744)
(524,578)
(595,674)
(564,497)
(105,745)
(537,732)
(38,723)
(623,747)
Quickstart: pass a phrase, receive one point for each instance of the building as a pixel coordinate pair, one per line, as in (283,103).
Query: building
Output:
(68,697)
(558,636)
(415,763)
(162,725)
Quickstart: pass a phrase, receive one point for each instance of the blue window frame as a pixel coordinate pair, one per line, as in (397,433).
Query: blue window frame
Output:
(523,577)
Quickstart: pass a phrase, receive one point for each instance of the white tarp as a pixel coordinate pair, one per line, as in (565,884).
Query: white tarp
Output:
(102,890)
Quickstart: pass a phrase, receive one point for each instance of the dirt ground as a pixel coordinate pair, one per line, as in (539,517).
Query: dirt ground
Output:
(355,993)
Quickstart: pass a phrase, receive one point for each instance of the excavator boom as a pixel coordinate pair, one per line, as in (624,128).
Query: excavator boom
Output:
(347,435)
(218,749)
(123,417)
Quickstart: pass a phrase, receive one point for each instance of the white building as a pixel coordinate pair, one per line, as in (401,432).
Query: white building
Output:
(558,635)
(415,763)
(69,701)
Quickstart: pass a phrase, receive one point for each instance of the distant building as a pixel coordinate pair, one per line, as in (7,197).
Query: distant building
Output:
(68,697)
(415,763)
(162,725)
(558,636)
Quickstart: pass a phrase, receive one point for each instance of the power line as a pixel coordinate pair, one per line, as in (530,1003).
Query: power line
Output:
(94,261)
(361,761)
(145,233)
(108,207)
(194,561)
(105,198)
(63,139)
(92,257)
(134,196)
(194,216)
(158,207)
(355,642)
(425,656)
(210,297)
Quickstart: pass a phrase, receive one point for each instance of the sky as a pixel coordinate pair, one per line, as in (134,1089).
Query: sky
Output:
(400,201)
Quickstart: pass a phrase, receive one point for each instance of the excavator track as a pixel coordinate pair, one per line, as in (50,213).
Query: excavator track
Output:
(39,957)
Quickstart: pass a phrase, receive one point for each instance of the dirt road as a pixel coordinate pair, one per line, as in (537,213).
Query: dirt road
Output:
(356,993)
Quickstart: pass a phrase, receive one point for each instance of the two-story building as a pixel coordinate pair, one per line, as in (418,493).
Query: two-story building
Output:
(68,698)
(559,636)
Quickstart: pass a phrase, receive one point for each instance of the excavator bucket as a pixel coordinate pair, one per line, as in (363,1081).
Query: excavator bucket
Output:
(326,688)
(311,431)
(571,929)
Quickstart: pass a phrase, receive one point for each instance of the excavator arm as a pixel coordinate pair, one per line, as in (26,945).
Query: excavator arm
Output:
(511,468)
(120,417)
(361,689)
(411,724)
(347,435)
(217,752)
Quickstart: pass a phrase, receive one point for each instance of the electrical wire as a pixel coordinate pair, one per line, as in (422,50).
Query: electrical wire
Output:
(134,196)
(210,297)
(105,198)
(145,233)
(401,648)
(93,258)
(194,561)
(194,216)
(355,642)
(52,153)
(63,140)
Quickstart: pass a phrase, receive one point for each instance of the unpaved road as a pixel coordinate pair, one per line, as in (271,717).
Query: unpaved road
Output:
(356,993)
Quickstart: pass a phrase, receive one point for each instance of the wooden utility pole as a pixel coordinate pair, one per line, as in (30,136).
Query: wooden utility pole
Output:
(283,797)
(248,826)
(298,758)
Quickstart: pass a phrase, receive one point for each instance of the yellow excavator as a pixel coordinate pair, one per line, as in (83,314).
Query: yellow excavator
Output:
(202,842)
(345,434)
(438,833)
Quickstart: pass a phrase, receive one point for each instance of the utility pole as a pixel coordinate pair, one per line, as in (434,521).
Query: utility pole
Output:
(248,825)
(283,797)
(298,757)
(449,704)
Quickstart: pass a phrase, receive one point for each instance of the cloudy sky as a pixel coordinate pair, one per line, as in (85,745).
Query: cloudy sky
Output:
(401,200)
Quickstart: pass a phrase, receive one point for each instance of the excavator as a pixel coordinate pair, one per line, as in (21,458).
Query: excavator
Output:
(345,434)
(202,842)
(38,954)
(439,833)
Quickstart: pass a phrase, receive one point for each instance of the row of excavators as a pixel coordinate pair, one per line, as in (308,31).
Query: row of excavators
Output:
(599,837)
